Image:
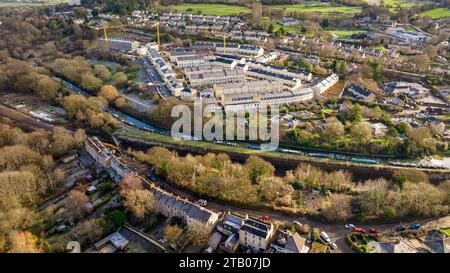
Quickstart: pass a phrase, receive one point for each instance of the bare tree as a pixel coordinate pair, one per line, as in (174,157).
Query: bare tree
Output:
(197,237)
(22,242)
(338,208)
(138,202)
(171,233)
(76,204)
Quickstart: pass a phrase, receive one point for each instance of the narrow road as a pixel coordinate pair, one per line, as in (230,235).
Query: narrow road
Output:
(336,232)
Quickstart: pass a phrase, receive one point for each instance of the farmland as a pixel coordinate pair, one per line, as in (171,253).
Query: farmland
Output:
(319,7)
(307,6)
(216,9)
(437,13)
(23,4)
(396,4)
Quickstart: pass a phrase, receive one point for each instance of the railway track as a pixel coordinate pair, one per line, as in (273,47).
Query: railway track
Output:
(24,119)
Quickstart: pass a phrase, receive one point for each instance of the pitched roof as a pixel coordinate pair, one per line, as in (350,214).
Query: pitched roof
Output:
(256,227)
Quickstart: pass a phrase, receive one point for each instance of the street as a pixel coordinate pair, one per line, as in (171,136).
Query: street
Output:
(336,232)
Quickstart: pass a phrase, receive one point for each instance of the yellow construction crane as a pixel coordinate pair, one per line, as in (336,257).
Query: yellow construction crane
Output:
(157,36)
(224,41)
(105,32)
(106,35)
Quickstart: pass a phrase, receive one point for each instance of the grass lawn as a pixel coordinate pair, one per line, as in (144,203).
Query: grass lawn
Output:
(447,231)
(395,4)
(444,117)
(345,33)
(318,7)
(318,248)
(110,65)
(437,13)
(290,29)
(21,4)
(380,47)
(216,9)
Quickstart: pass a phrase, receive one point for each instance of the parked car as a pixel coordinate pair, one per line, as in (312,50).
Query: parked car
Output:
(309,240)
(401,228)
(202,202)
(333,245)
(359,230)
(297,223)
(415,226)
(61,228)
(374,231)
(325,237)
(264,218)
(350,226)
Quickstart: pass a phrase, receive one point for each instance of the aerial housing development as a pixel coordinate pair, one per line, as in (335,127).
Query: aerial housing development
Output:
(225,127)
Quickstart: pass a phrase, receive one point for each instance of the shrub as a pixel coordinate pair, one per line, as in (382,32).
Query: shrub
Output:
(361,217)
(296,185)
(349,240)
(104,224)
(106,187)
(117,217)
(314,234)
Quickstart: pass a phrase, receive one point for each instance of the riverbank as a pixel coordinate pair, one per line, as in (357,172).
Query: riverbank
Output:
(282,162)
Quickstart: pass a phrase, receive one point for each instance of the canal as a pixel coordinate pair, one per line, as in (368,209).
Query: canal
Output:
(311,152)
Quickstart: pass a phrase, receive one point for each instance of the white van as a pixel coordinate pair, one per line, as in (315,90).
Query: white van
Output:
(325,237)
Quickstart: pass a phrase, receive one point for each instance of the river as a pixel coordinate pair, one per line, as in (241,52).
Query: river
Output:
(124,117)
(357,158)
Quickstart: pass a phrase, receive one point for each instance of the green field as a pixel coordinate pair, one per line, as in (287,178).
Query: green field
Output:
(307,6)
(318,7)
(437,13)
(396,4)
(20,4)
(345,33)
(216,9)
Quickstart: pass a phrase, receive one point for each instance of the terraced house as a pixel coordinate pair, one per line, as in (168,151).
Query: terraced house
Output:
(195,216)
(256,234)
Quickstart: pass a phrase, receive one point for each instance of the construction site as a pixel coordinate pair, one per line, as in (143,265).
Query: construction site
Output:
(232,76)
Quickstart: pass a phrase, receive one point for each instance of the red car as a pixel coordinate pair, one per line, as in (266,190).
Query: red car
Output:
(374,231)
(264,218)
(359,230)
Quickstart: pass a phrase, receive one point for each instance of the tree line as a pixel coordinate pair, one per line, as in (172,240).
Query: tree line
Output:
(255,184)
